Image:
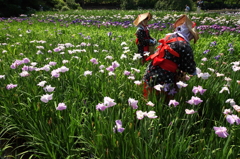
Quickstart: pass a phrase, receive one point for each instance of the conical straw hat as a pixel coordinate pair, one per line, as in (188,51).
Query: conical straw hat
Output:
(141,17)
(190,25)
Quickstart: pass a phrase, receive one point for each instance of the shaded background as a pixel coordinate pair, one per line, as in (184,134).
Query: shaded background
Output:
(10,8)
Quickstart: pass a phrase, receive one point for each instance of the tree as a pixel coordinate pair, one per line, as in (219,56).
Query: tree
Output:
(178,5)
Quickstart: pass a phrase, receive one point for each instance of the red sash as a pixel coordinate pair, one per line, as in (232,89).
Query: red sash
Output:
(158,59)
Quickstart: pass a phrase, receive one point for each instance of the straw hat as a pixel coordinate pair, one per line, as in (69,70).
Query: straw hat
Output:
(190,25)
(141,17)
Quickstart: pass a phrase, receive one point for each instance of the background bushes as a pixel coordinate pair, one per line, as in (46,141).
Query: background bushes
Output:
(16,7)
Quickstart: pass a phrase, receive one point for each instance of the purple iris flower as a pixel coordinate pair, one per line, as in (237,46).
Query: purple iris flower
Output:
(118,126)
(109,33)
(217,57)
(213,43)
(172,91)
(231,50)
(206,51)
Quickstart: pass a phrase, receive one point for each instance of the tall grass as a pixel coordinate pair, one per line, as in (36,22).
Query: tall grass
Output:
(80,130)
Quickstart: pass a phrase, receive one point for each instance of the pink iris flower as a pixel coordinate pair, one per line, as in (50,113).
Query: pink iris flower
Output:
(133,103)
(118,126)
(25,68)
(87,73)
(52,63)
(63,69)
(199,89)
(101,106)
(49,88)
(110,68)
(138,82)
(109,57)
(55,73)
(224,89)
(181,84)
(11,86)
(109,101)
(194,101)
(42,83)
(47,97)
(232,119)
(57,50)
(150,104)
(26,60)
(173,102)
(187,111)
(231,101)
(24,74)
(101,67)
(61,106)
(187,77)
(115,64)
(65,61)
(16,64)
(94,61)
(151,114)
(221,131)
(227,111)
(136,70)
(204,75)
(2,76)
(140,114)
(127,73)
(158,87)
(131,77)
(237,108)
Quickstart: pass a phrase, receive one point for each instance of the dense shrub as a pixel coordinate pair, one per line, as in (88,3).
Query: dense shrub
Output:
(72,5)
(128,4)
(65,8)
(178,5)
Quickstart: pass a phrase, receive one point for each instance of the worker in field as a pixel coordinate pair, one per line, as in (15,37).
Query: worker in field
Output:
(173,59)
(145,43)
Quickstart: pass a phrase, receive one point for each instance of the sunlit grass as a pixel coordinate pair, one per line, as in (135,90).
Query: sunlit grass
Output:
(81,130)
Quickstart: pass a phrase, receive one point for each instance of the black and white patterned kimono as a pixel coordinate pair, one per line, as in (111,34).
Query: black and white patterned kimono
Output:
(155,75)
(143,39)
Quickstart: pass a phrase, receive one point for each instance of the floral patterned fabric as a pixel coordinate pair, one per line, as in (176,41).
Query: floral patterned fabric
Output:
(155,75)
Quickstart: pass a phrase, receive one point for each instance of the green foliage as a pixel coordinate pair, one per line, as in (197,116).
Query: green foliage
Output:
(149,4)
(65,8)
(72,4)
(178,5)
(127,4)
(10,10)
(16,7)
(59,4)
(81,131)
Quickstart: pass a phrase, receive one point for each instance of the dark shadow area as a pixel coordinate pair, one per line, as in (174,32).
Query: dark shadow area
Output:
(98,6)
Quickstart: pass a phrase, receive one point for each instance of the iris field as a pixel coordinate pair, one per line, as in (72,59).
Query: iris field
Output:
(71,87)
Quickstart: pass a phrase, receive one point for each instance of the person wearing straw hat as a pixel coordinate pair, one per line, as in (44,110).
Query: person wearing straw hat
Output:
(144,41)
(174,57)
